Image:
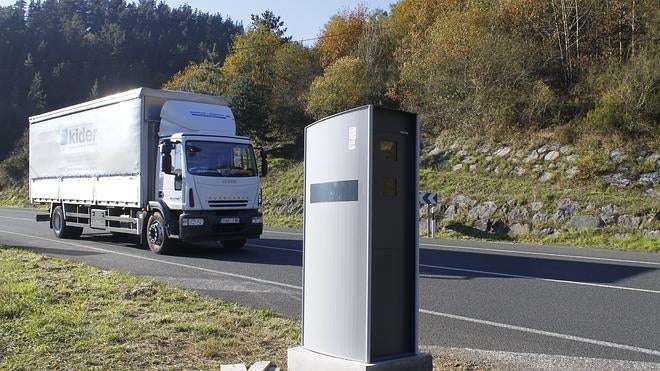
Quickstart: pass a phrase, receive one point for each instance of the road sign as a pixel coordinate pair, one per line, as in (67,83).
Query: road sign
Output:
(427,198)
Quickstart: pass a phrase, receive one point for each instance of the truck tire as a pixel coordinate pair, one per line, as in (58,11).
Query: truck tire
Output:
(157,238)
(59,225)
(233,244)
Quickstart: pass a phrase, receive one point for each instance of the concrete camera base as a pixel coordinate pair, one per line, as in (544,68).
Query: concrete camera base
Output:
(301,359)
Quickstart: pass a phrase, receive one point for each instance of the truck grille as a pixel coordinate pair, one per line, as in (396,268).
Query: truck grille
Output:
(228,203)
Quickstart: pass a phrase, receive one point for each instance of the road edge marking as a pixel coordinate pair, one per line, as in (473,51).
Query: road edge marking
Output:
(544,333)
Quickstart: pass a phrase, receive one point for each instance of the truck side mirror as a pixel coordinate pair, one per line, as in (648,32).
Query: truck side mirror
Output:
(264,162)
(166,163)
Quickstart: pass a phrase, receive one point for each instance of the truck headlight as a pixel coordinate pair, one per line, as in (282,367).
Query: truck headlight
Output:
(257,220)
(192,222)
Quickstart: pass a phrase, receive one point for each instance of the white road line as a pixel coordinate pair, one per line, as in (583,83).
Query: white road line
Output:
(513,251)
(234,275)
(544,333)
(540,278)
(496,273)
(425,311)
(543,254)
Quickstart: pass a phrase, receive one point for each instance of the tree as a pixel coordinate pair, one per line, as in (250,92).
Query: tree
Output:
(343,85)
(36,95)
(341,35)
(268,21)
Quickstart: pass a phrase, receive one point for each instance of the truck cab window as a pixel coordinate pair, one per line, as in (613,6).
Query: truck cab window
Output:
(220,159)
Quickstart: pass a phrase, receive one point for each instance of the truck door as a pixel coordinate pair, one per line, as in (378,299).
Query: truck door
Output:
(169,186)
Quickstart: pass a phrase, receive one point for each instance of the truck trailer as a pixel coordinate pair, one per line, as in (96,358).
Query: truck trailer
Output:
(166,166)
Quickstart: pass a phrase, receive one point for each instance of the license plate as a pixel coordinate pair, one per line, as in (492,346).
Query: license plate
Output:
(230,220)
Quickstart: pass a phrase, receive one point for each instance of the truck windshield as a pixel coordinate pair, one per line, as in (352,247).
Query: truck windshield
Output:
(220,159)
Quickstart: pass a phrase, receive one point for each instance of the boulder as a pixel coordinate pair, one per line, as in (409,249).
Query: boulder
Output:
(609,213)
(462,201)
(585,222)
(546,177)
(628,221)
(518,228)
(451,213)
(531,157)
(457,167)
(655,234)
(472,168)
(551,156)
(518,214)
(502,152)
(649,179)
(571,158)
(518,170)
(565,209)
(483,211)
(618,156)
(615,180)
(651,193)
(540,218)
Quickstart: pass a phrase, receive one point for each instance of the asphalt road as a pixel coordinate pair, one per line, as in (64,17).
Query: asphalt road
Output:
(556,301)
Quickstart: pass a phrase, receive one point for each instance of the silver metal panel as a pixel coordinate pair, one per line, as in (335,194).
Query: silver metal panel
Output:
(336,283)
(98,219)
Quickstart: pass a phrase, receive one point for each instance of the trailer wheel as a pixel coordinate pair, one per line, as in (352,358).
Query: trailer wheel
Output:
(233,244)
(59,225)
(157,235)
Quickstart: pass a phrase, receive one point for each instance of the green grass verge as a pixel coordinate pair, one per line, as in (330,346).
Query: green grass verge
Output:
(59,314)
(15,197)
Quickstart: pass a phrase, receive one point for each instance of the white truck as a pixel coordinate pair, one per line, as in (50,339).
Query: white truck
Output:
(166,166)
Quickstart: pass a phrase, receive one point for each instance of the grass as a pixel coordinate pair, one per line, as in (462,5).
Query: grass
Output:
(59,314)
(14,196)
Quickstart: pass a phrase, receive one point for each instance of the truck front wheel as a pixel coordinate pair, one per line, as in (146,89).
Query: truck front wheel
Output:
(157,235)
(59,225)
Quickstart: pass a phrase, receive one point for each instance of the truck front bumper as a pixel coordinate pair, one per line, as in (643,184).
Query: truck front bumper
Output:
(211,225)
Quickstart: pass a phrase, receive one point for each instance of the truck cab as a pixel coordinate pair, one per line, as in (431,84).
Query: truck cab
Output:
(207,184)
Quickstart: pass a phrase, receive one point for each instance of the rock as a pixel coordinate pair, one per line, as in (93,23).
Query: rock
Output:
(649,179)
(609,213)
(655,234)
(489,158)
(518,214)
(551,156)
(520,153)
(584,222)
(455,146)
(234,367)
(618,156)
(651,193)
(457,167)
(536,205)
(435,151)
(502,152)
(616,180)
(518,170)
(540,218)
(482,225)
(472,168)
(441,164)
(653,157)
(262,366)
(483,211)
(628,221)
(590,206)
(546,176)
(461,153)
(567,149)
(531,157)
(537,168)
(571,158)
(518,228)
(484,149)
(565,209)
(571,172)
(497,170)
(499,227)
(451,213)
(462,201)
(543,149)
